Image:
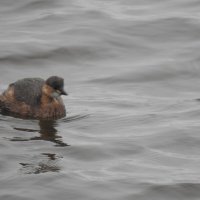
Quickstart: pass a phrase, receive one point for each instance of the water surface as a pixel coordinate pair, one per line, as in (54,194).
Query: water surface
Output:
(131,69)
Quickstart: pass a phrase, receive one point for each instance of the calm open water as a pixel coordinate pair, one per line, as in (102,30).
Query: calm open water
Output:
(132,71)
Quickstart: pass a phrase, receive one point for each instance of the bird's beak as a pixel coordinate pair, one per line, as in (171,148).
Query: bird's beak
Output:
(62,92)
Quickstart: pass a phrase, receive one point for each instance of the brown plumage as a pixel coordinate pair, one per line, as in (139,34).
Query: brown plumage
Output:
(34,98)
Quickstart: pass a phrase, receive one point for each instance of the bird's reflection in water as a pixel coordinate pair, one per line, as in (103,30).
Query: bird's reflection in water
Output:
(48,132)
(44,162)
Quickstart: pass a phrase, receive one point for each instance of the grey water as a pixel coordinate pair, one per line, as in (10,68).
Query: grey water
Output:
(132,71)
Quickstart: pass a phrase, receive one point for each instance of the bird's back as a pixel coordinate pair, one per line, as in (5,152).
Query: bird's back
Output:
(28,90)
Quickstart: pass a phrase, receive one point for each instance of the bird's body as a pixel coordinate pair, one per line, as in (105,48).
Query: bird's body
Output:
(34,98)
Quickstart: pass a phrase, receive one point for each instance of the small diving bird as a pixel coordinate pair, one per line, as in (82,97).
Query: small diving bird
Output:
(34,98)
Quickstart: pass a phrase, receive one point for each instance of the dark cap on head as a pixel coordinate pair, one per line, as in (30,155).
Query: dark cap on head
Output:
(56,83)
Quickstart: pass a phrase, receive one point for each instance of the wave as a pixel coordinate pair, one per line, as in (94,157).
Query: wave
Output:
(148,74)
(68,54)
(171,191)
